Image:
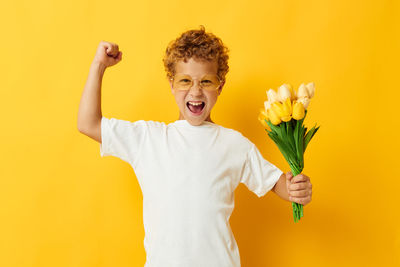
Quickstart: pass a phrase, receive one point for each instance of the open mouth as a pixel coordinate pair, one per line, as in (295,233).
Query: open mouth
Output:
(195,107)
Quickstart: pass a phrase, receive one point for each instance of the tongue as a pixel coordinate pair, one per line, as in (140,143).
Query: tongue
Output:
(195,109)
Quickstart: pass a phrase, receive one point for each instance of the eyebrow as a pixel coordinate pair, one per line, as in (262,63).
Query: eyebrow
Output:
(201,77)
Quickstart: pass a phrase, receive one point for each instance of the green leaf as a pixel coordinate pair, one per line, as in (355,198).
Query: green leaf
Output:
(275,128)
(302,131)
(290,136)
(309,135)
(298,139)
(296,134)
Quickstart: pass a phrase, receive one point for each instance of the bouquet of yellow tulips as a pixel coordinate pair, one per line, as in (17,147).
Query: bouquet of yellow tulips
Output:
(284,113)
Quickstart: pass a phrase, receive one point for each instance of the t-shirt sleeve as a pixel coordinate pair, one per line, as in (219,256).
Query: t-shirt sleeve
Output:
(122,139)
(259,175)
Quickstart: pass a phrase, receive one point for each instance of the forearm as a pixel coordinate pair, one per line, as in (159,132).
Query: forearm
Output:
(280,188)
(90,105)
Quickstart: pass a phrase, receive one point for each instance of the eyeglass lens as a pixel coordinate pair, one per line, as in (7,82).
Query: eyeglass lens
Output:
(185,82)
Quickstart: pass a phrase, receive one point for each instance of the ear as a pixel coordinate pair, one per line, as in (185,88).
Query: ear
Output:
(172,89)
(220,88)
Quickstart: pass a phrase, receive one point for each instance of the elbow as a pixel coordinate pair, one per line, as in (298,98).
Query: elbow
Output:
(81,129)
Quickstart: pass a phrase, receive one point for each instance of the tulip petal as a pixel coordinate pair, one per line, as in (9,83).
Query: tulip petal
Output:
(267,105)
(310,89)
(302,91)
(273,116)
(305,101)
(277,107)
(283,93)
(298,111)
(272,96)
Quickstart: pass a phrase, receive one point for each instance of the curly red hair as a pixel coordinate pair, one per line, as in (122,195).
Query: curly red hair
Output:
(200,45)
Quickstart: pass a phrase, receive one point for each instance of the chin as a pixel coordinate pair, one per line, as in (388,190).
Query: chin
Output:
(195,119)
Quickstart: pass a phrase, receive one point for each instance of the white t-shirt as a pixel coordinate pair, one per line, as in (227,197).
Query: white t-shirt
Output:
(188,175)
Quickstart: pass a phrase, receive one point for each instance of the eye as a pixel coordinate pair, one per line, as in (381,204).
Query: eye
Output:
(184,80)
(206,81)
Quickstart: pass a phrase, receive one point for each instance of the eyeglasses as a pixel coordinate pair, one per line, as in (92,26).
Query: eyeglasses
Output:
(184,82)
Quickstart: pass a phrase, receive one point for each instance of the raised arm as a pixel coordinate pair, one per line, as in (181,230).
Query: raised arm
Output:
(89,114)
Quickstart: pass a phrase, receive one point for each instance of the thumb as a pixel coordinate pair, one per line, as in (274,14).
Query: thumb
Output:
(289,176)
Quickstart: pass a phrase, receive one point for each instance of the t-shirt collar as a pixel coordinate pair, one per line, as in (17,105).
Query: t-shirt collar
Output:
(204,124)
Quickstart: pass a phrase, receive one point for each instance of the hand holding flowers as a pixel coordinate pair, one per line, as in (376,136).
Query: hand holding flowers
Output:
(284,113)
(299,188)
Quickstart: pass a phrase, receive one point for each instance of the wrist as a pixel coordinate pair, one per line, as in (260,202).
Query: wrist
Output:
(98,67)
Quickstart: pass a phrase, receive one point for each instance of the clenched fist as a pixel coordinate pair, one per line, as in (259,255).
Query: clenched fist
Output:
(107,54)
(299,188)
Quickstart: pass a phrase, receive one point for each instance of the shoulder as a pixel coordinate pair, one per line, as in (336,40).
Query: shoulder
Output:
(128,125)
(238,138)
(154,124)
(149,123)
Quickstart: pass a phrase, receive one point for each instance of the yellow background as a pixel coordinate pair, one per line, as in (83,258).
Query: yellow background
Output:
(64,205)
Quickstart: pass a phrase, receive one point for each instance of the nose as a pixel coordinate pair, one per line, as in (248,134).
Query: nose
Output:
(195,89)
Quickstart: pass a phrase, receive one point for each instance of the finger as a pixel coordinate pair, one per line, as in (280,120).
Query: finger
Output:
(112,50)
(115,50)
(107,47)
(297,186)
(299,193)
(289,176)
(299,178)
(300,200)
(119,55)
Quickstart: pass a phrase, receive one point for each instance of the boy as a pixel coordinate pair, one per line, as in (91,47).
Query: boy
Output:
(188,170)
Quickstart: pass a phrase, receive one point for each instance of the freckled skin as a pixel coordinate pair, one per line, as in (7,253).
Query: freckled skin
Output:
(197,69)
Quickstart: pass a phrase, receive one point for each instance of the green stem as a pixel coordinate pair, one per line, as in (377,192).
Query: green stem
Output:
(297,208)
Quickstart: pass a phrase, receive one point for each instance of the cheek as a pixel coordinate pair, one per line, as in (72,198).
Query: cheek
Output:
(180,98)
(211,101)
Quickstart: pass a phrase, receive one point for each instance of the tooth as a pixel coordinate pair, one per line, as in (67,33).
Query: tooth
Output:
(194,103)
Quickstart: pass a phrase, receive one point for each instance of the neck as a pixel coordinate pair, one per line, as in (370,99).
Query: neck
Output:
(207,119)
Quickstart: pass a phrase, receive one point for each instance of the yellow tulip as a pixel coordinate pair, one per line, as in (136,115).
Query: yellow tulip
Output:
(263,113)
(298,110)
(288,86)
(304,100)
(277,107)
(262,117)
(287,110)
(267,105)
(272,96)
(292,92)
(274,118)
(310,89)
(283,93)
(283,111)
(302,91)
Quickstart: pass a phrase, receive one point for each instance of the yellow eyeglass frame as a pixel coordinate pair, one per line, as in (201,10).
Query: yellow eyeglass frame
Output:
(185,86)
